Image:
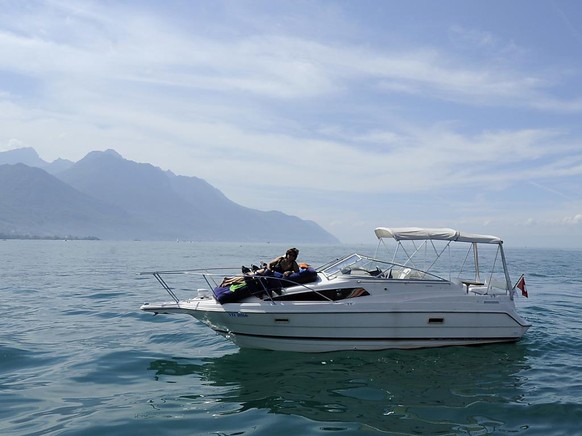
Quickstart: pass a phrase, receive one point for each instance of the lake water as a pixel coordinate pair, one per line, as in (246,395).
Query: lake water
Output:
(77,357)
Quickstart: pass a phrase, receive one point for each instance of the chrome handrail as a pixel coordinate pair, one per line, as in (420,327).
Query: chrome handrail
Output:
(208,277)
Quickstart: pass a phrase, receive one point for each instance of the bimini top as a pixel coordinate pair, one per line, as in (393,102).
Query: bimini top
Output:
(444,234)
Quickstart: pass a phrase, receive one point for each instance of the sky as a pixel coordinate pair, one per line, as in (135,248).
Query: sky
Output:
(353,114)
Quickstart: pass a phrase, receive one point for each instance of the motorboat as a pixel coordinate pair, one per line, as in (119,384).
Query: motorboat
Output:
(423,287)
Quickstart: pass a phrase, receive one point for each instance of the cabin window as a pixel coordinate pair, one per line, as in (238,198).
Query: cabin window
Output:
(436,320)
(324,295)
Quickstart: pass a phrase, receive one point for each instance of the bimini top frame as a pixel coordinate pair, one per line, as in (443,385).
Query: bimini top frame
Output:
(443,234)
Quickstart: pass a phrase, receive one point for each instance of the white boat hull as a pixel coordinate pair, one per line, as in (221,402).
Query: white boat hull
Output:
(333,326)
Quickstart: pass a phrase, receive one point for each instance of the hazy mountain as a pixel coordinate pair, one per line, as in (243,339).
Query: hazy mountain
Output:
(32,202)
(58,166)
(26,155)
(142,190)
(182,207)
(29,156)
(218,211)
(110,197)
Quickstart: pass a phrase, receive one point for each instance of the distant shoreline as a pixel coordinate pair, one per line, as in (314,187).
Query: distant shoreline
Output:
(49,238)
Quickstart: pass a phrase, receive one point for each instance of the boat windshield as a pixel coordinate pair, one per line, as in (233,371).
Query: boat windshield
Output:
(360,265)
(352,261)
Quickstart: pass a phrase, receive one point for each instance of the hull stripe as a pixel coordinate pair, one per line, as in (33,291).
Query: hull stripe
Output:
(360,339)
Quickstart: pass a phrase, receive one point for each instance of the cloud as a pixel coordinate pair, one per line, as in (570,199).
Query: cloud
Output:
(545,103)
(12,144)
(140,47)
(574,220)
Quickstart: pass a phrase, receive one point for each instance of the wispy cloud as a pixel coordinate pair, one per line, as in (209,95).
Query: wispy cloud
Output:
(90,42)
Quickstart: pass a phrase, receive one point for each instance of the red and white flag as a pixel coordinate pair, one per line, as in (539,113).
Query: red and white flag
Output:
(521,286)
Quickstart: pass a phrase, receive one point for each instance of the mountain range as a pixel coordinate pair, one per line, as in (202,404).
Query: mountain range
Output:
(106,196)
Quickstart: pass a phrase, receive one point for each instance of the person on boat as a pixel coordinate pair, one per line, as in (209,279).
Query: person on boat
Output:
(285,265)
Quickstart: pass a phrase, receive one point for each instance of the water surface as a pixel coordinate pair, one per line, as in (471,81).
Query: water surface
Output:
(78,357)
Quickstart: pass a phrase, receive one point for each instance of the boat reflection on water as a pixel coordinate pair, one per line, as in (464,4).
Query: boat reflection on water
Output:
(460,389)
